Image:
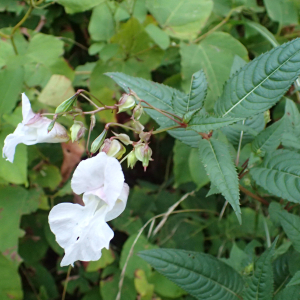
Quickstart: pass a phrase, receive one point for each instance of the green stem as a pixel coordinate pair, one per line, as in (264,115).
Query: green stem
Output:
(120,125)
(165,129)
(217,26)
(88,99)
(66,283)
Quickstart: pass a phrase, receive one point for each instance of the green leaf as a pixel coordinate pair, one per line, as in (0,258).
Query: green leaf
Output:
(135,262)
(15,172)
(176,19)
(10,281)
(196,96)
(102,24)
(207,123)
(14,202)
(279,174)
(221,171)
(75,6)
(251,128)
(181,168)
(292,292)
(261,83)
(164,287)
(295,280)
(215,55)
(58,89)
(269,139)
(44,49)
(197,169)
(261,283)
(11,82)
(160,96)
(159,36)
(201,275)
(107,258)
(291,226)
(263,31)
(285,11)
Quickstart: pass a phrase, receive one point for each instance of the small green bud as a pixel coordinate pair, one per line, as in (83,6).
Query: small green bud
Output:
(137,126)
(138,111)
(66,105)
(51,125)
(126,102)
(143,153)
(131,159)
(124,138)
(77,131)
(93,121)
(97,143)
(145,136)
(113,148)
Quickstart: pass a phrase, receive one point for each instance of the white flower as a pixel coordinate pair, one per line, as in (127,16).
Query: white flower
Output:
(32,130)
(82,230)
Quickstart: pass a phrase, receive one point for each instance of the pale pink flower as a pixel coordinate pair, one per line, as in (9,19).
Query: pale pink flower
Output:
(32,130)
(82,230)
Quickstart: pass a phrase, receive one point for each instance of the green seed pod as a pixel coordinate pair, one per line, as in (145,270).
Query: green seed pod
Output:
(66,105)
(97,143)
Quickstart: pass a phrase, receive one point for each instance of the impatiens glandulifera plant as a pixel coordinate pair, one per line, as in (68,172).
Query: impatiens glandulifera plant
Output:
(238,152)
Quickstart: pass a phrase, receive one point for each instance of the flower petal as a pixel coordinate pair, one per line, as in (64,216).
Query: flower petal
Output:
(11,142)
(113,181)
(26,109)
(120,204)
(80,230)
(97,172)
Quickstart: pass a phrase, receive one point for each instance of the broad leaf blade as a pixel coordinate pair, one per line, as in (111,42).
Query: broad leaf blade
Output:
(261,83)
(280,174)
(206,123)
(159,96)
(291,292)
(201,275)
(291,226)
(269,139)
(221,171)
(196,96)
(261,284)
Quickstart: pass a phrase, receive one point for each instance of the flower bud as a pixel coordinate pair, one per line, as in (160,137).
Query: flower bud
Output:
(66,105)
(124,138)
(143,153)
(138,111)
(93,121)
(113,148)
(97,143)
(131,159)
(77,131)
(137,126)
(145,136)
(126,102)
(51,125)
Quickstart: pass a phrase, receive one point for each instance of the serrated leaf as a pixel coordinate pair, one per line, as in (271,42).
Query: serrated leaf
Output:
(291,226)
(221,171)
(201,275)
(196,96)
(207,123)
(292,292)
(261,283)
(160,96)
(269,139)
(251,128)
(295,280)
(261,83)
(279,174)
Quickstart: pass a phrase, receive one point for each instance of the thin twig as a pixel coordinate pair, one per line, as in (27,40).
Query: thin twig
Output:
(170,210)
(247,192)
(66,283)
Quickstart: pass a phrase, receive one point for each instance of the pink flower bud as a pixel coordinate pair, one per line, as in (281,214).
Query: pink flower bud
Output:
(126,102)
(113,148)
